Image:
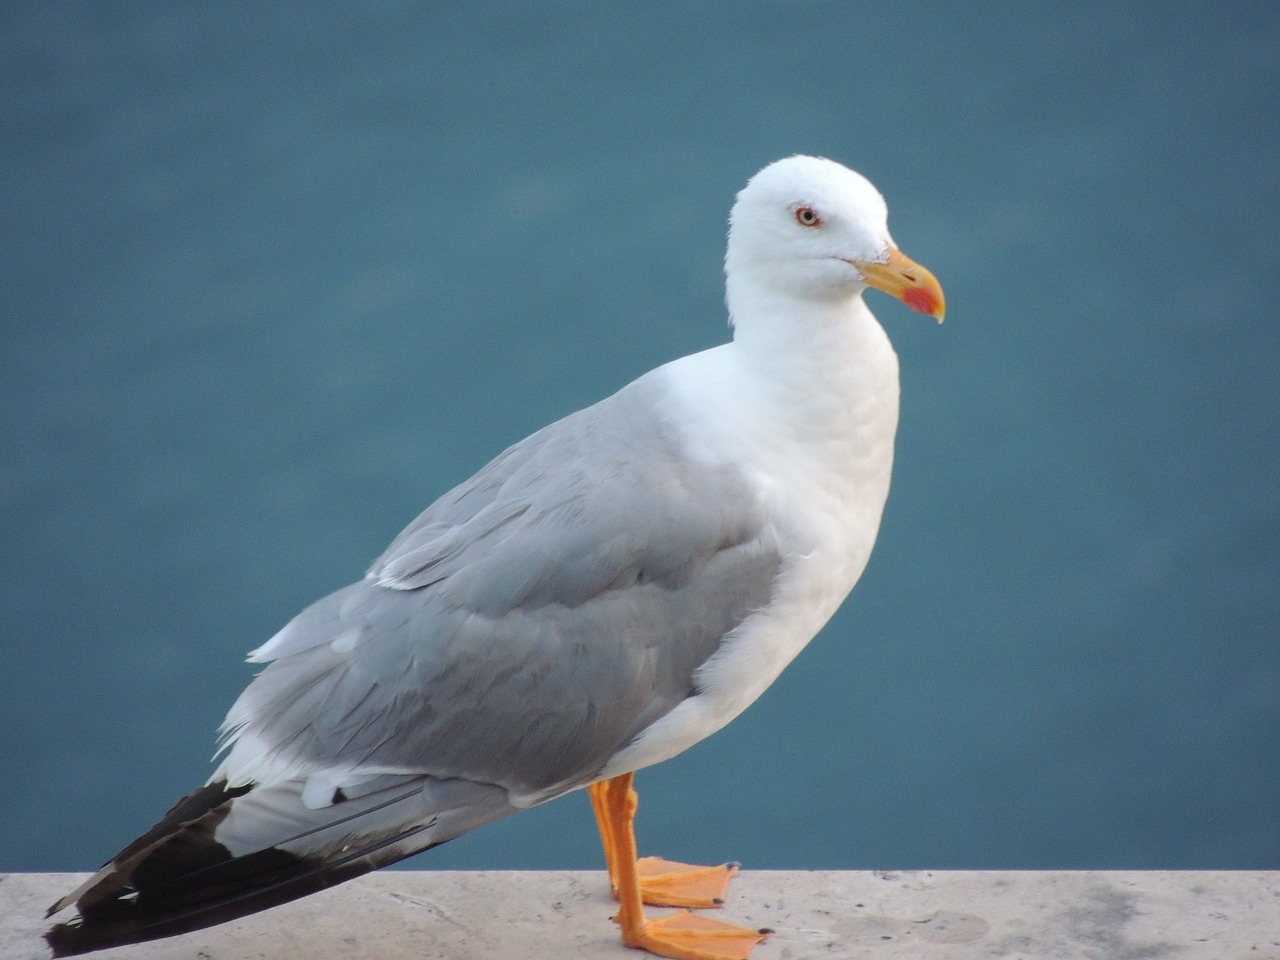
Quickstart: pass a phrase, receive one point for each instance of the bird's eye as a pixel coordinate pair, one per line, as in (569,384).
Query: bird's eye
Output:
(808,217)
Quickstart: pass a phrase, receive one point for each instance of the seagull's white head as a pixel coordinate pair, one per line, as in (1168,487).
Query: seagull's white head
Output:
(810,229)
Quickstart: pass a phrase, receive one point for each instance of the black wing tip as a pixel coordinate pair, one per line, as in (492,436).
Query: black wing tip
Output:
(238,887)
(234,889)
(177,878)
(71,939)
(60,939)
(123,901)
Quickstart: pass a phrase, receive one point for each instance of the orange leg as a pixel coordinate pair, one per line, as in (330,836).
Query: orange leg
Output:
(663,883)
(683,936)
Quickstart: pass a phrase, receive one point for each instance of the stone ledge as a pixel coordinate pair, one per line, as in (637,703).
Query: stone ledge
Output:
(954,915)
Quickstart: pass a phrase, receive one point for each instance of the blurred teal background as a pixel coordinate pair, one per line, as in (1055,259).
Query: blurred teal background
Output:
(277,274)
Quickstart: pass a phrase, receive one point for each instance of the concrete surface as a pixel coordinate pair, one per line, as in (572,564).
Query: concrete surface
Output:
(949,915)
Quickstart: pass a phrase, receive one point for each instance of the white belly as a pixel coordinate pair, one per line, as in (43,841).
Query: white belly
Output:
(825,486)
(748,661)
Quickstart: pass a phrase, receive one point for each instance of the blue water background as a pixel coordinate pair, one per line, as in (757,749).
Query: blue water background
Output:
(277,274)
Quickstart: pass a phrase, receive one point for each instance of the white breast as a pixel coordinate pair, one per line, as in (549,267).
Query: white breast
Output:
(823,477)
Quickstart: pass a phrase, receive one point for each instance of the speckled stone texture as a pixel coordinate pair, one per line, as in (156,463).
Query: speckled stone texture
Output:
(885,915)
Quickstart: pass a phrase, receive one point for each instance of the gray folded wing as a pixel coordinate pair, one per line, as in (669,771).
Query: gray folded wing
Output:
(528,624)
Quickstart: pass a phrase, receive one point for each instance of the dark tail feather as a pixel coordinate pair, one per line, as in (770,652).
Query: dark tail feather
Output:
(177,877)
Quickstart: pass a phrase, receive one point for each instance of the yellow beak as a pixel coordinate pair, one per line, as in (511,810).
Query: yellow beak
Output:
(902,277)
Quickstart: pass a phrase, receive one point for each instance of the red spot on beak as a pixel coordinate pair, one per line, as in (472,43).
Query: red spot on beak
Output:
(920,300)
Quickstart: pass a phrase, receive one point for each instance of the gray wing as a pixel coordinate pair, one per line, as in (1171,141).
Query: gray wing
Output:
(528,624)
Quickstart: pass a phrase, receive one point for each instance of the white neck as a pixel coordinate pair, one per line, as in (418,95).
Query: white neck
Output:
(813,384)
(827,363)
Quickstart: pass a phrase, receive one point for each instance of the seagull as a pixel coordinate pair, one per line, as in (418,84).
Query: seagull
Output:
(598,598)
